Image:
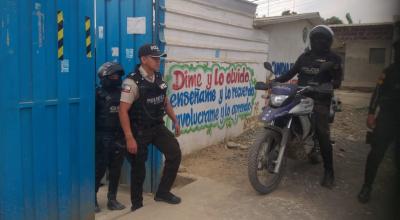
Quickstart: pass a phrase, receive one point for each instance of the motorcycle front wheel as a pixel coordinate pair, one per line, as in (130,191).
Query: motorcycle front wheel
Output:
(262,160)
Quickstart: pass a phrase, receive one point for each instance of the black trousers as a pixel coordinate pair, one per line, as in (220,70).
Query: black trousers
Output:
(109,154)
(166,142)
(386,132)
(322,130)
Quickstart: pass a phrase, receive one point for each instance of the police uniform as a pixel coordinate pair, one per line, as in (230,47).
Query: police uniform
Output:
(147,95)
(109,139)
(387,130)
(307,67)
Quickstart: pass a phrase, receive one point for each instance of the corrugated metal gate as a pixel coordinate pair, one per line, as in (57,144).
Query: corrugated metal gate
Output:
(122,26)
(47,67)
(47,112)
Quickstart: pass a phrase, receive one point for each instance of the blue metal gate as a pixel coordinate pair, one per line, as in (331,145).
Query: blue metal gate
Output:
(46,110)
(47,68)
(122,26)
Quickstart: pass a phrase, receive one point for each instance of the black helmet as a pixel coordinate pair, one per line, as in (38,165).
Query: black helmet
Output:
(110,68)
(322,31)
(321,38)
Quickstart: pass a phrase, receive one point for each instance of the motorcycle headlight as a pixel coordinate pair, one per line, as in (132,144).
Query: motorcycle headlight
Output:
(277,100)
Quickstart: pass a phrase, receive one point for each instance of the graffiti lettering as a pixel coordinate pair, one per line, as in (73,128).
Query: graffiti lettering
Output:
(219,79)
(210,95)
(194,118)
(239,76)
(193,97)
(281,68)
(183,79)
(245,91)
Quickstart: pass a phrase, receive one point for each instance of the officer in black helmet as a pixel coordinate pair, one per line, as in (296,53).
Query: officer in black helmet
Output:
(307,67)
(110,148)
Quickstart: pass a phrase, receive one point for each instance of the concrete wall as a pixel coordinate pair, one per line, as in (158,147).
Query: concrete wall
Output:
(287,43)
(214,58)
(358,72)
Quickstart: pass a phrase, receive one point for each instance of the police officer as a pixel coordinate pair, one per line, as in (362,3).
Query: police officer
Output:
(110,149)
(142,108)
(387,123)
(307,67)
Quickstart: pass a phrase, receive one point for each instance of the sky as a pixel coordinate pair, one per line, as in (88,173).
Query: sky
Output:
(361,11)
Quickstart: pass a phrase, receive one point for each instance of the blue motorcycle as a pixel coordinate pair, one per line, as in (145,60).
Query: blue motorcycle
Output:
(287,118)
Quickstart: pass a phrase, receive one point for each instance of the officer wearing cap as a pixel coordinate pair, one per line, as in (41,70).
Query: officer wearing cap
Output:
(110,149)
(385,123)
(142,108)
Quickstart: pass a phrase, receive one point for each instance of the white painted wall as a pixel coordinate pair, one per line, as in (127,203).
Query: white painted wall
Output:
(202,35)
(286,42)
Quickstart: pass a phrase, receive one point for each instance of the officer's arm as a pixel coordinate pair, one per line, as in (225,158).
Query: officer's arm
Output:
(291,73)
(337,77)
(373,105)
(124,119)
(171,114)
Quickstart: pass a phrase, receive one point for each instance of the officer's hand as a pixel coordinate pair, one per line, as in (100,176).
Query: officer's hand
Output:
(131,145)
(371,121)
(177,129)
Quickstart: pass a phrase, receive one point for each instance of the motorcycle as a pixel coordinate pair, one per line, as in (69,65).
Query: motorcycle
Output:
(288,119)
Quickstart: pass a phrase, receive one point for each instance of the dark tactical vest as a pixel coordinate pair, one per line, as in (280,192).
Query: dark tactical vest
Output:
(107,106)
(310,65)
(149,109)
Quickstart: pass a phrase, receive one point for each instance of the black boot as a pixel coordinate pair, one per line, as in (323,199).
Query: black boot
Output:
(167,197)
(328,180)
(364,195)
(96,206)
(113,204)
(314,155)
(136,206)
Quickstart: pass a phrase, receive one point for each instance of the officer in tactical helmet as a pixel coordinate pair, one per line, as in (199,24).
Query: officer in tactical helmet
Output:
(110,148)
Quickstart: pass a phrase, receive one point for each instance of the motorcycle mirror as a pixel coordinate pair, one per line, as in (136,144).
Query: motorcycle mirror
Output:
(326,66)
(261,86)
(268,66)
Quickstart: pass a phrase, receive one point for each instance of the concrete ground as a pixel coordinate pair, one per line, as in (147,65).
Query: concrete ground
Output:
(354,98)
(213,183)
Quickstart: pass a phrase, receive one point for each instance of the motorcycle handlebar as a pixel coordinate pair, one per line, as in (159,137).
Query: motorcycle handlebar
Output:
(326,88)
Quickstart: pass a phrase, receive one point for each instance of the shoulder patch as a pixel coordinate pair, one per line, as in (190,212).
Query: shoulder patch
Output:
(163,85)
(126,88)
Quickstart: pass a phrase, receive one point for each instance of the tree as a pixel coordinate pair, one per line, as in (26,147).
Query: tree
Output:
(288,12)
(349,19)
(333,20)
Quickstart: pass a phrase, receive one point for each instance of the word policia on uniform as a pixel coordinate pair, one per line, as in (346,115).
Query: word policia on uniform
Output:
(210,95)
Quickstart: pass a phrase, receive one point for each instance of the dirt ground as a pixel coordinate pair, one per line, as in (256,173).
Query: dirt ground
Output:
(300,187)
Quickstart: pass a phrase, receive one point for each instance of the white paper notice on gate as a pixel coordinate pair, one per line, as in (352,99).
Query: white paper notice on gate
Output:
(136,25)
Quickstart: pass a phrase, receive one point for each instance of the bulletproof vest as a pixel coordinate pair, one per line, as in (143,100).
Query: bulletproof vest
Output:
(309,68)
(390,89)
(149,109)
(107,106)
(310,73)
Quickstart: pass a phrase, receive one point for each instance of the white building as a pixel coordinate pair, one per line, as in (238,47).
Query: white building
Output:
(366,49)
(288,37)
